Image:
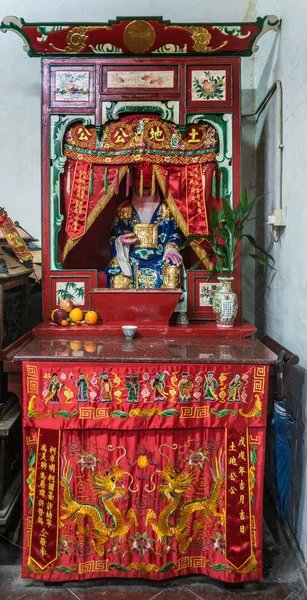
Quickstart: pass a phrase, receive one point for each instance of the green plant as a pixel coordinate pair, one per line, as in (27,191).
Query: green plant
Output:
(227,228)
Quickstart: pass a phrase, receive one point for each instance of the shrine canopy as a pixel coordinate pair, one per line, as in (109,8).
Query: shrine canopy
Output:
(182,161)
(140,36)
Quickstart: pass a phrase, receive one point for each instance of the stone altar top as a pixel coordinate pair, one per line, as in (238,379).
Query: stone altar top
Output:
(151,349)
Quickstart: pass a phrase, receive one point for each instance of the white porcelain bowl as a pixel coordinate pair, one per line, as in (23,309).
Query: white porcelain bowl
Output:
(129,331)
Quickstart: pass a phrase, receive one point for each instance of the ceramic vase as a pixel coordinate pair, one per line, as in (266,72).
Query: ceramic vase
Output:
(225,303)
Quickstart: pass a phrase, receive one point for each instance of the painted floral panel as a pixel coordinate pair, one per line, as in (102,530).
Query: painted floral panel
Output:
(140,79)
(206,293)
(209,85)
(72,86)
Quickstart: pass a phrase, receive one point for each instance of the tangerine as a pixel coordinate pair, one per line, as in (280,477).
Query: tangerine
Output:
(76,314)
(91,317)
(64,323)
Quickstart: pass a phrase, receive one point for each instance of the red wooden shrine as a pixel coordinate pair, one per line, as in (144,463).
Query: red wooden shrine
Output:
(142,457)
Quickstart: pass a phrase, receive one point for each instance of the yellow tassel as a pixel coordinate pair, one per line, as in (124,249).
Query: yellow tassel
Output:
(141,183)
(153,181)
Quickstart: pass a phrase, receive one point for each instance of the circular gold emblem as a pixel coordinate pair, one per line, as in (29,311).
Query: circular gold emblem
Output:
(139,36)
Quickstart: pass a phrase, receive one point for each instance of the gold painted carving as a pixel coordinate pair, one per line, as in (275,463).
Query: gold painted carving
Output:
(76,39)
(171,277)
(139,36)
(120,281)
(200,36)
(147,234)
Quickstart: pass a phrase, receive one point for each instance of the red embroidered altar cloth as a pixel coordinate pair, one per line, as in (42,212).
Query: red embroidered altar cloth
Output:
(152,470)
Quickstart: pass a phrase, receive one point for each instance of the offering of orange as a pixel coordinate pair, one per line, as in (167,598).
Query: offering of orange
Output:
(91,317)
(76,314)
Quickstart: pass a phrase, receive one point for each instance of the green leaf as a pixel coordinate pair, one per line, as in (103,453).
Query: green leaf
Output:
(192,238)
(253,242)
(220,567)
(167,566)
(253,455)
(224,412)
(250,208)
(194,267)
(214,219)
(65,414)
(244,200)
(117,567)
(32,458)
(170,413)
(238,211)
(261,261)
(64,569)
(119,413)
(229,215)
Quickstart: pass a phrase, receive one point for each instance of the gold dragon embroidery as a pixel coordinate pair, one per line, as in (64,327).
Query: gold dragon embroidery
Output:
(174,485)
(106,486)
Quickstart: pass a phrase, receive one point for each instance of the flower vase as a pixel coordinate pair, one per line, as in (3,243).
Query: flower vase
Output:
(225,303)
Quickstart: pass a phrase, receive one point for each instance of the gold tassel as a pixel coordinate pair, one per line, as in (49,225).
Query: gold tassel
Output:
(68,179)
(166,183)
(204,184)
(153,181)
(116,181)
(128,183)
(141,183)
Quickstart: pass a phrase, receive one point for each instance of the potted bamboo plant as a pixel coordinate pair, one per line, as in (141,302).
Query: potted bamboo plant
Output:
(227,229)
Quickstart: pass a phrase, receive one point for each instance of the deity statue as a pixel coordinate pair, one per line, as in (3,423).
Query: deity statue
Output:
(145,240)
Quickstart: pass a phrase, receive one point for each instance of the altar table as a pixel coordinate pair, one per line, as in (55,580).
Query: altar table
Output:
(145,460)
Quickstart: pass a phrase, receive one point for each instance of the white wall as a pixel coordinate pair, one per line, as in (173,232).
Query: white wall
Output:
(281,300)
(20,83)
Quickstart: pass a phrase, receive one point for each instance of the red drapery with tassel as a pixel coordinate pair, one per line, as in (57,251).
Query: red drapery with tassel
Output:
(183,163)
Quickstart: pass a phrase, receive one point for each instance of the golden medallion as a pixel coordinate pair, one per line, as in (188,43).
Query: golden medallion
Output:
(139,36)
(147,235)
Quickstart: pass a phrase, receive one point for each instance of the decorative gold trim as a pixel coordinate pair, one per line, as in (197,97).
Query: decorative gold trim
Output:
(157,159)
(120,281)
(171,245)
(200,36)
(76,39)
(70,244)
(171,277)
(147,234)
